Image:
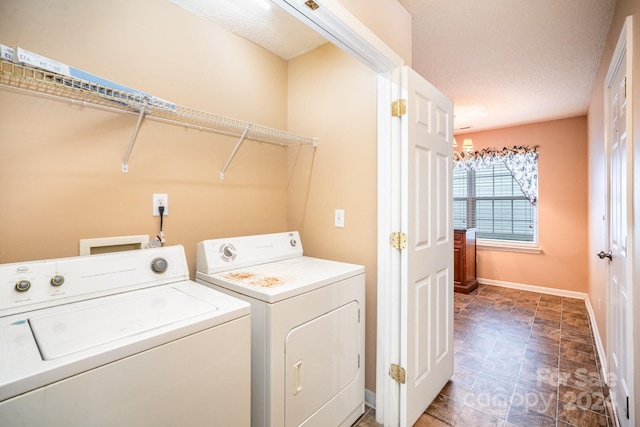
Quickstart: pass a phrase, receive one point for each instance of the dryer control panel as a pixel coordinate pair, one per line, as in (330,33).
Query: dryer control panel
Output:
(230,253)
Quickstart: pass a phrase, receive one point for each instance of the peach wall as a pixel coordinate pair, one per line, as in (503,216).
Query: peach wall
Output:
(335,95)
(562,206)
(597,283)
(60,177)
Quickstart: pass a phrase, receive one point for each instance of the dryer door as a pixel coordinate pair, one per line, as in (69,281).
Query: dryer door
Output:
(322,367)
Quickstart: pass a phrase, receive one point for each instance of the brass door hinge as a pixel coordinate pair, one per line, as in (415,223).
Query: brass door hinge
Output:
(311,4)
(398,240)
(399,108)
(398,373)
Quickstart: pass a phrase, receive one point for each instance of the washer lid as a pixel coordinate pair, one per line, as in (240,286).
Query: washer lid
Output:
(81,336)
(109,319)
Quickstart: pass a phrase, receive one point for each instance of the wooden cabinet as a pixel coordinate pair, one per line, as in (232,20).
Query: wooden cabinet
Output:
(464,260)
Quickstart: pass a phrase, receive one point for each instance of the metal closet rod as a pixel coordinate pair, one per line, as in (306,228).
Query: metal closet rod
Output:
(52,85)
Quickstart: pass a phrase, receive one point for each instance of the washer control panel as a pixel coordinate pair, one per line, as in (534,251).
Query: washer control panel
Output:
(57,280)
(23,285)
(159,265)
(37,284)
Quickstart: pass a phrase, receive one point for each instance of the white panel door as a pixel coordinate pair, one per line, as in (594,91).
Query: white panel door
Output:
(618,309)
(426,334)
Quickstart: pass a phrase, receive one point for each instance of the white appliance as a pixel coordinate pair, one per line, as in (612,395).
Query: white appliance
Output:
(307,318)
(120,339)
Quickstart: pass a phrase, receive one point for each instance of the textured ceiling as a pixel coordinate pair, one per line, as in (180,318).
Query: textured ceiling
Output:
(502,62)
(260,21)
(509,62)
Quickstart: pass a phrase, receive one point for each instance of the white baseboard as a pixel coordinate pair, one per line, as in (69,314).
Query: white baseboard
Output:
(598,340)
(370,398)
(532,288)
(562,293)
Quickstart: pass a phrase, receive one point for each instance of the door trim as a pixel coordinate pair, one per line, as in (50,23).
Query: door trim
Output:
(339,26)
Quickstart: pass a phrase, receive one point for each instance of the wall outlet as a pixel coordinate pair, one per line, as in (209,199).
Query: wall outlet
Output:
(160,200)
(339,218)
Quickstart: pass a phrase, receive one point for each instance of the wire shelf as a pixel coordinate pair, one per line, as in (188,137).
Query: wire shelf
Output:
(33,80)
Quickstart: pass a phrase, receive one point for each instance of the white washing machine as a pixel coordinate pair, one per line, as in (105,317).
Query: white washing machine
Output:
(307,319)
(122,339)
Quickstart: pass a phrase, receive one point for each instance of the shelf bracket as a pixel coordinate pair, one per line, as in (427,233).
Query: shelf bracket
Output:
(125,162)
(235,150)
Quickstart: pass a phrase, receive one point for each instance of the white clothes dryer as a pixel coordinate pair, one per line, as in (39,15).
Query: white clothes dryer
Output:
(121,339)
(307,327)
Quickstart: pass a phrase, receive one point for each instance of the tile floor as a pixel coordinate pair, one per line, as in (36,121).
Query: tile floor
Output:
(522,359)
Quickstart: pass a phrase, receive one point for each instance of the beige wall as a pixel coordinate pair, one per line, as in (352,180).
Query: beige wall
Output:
(597,203)
(389,20)
(562,206)
(335,95)
(60,174)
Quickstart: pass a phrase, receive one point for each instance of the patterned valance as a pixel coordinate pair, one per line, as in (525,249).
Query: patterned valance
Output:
(522,161)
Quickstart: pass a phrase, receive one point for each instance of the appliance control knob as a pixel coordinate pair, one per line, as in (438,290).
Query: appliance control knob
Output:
(57,280)
(293,242)
(23,285)
(228,252)
(159,265)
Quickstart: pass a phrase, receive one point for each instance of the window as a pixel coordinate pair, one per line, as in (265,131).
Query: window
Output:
(489,199)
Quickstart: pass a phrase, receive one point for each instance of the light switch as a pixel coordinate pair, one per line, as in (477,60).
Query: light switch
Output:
(339,218)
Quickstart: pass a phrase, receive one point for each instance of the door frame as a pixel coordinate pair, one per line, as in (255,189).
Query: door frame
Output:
(624,46)
(339,26)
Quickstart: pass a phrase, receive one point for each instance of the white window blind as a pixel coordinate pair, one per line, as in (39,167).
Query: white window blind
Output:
(490,200)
